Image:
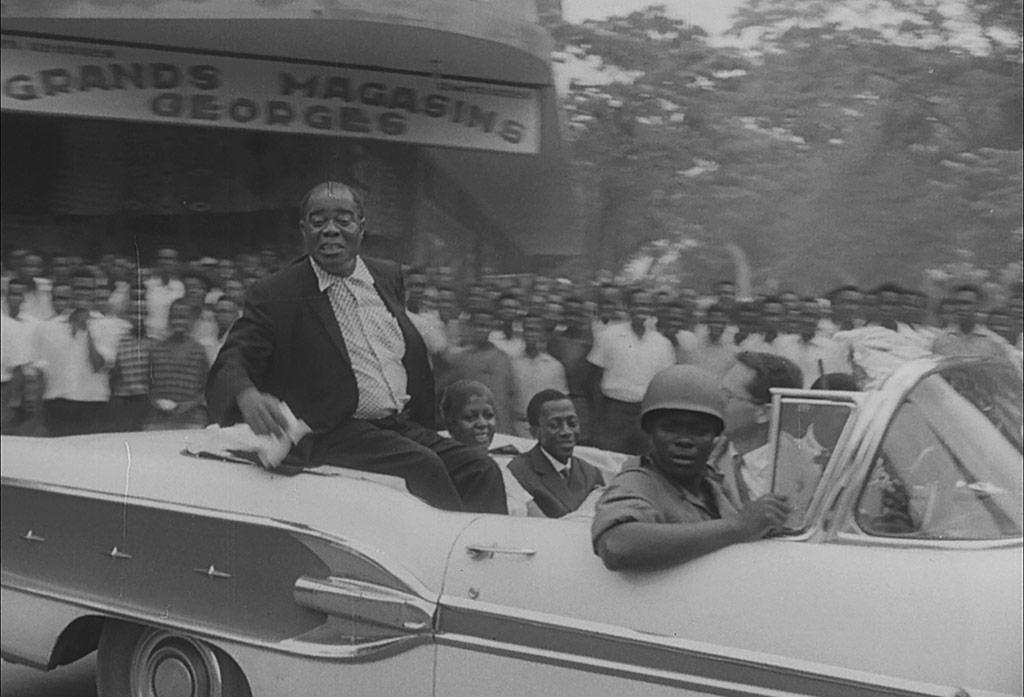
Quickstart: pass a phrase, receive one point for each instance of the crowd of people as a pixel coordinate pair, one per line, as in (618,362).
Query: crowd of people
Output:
(371,358)
(602,344)
(105,345)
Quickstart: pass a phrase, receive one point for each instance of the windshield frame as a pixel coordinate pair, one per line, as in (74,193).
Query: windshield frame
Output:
(850,400)
(878,412)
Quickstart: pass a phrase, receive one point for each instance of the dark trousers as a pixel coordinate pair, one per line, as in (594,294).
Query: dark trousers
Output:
(128,413)
(8,414)
(441,471)
(618,427)
(68,417)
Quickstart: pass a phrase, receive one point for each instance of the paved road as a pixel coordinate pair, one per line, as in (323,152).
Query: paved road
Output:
(75,680)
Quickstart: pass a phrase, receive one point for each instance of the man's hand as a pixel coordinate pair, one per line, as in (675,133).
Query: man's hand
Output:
(262,412)
(761,516)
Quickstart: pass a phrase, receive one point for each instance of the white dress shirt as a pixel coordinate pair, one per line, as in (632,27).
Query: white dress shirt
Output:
(630,361)
(64,358)
(806,354)
(15,346)
(159,296)
(513,346)
(714,357)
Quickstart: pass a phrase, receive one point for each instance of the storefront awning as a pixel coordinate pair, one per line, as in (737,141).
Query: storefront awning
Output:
(469,80)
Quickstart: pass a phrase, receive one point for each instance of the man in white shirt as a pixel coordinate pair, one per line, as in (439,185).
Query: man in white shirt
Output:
(845,304)
(966,337)
(76,350)
(533,371)
(814,354)
(161,290)
(628,356)
(713,349)
(15,359)
(38,289)
(609,309)
(769,337)
(421,307)
(675,322)
(508,337)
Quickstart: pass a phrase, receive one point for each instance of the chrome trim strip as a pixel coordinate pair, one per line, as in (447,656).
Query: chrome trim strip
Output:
(367,652)
(212,572)
(863,539)
(631,654)
(371,555)
(604,667)
(359,601)
(480,552)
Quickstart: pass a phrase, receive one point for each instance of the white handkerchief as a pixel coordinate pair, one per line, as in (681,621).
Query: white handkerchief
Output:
(240,442)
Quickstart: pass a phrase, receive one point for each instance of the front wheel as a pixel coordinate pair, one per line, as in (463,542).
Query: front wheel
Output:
(138,661)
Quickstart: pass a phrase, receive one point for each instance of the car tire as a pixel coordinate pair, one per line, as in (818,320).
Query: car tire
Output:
(139,661)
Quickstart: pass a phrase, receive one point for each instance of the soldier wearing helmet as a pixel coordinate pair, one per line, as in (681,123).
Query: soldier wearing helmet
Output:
(673,505)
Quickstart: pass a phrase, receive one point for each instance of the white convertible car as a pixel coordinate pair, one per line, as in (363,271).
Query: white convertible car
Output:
(901,573)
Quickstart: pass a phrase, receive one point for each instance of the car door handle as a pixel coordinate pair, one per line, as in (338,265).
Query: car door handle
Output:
(480,552)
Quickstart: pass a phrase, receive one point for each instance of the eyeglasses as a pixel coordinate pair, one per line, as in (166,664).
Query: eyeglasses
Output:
(342,220)
(736,396)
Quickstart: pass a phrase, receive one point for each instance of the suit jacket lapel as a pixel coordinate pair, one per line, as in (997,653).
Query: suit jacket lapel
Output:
(321,306)
(552,480)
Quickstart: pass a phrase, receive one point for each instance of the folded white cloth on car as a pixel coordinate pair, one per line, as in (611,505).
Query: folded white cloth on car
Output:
(239,442)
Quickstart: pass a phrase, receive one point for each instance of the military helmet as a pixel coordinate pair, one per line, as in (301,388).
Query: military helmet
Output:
(684,388)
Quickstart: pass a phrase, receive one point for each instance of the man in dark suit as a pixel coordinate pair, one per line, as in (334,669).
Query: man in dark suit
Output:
(558,482)
(329,337)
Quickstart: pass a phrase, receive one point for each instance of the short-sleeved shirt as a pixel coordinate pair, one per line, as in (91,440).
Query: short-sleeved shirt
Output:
(641,493)
(630,361)
(976,343)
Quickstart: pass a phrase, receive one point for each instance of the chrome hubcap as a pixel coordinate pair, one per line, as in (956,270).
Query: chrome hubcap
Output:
(172,665)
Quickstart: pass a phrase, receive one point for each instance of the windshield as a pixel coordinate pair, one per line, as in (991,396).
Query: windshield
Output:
(950,464)
(807,435)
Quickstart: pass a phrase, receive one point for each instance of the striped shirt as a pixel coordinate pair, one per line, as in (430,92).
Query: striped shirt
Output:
(373,338)
(132,365)
(179,370)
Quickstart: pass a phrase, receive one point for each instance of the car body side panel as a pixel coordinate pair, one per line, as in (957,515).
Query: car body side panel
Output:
(193,570)
(272,674)
(895,616)
(31,622)
(296,596)
(31,625)
(149,467)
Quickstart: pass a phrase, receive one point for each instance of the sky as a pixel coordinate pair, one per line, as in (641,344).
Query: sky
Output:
(713,15)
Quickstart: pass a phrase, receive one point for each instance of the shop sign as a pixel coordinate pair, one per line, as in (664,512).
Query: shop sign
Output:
(139,84)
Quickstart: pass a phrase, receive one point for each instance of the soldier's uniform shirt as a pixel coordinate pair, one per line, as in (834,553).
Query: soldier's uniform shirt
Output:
(641,493)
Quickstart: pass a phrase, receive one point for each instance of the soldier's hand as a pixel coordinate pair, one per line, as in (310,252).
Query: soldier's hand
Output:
(761,516)
(262,412)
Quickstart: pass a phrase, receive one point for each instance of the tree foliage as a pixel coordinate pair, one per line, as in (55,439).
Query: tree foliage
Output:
(829,152)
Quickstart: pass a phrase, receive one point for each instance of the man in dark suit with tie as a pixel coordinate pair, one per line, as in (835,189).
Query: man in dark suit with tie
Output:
(558,482)
(329,337)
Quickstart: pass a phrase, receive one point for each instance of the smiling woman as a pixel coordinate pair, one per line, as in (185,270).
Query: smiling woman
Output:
(468,410)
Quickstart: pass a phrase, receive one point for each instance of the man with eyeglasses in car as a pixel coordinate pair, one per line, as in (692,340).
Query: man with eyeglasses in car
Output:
(328,336)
